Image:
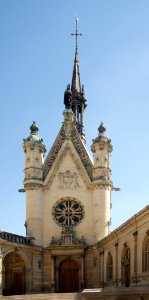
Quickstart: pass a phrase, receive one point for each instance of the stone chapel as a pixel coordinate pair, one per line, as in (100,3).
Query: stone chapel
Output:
(68,246)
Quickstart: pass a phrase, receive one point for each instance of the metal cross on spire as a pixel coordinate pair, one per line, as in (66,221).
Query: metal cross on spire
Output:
(76,34)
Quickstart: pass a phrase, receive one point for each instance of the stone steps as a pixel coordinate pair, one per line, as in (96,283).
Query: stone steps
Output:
(50,296)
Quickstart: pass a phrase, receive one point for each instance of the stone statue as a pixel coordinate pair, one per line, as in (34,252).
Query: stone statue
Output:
(67,97)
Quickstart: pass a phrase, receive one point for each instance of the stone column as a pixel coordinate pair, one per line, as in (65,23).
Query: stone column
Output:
(135,234)
(102,268)
(28,281)
(53,273)
(52,269)
(82,272)
(1,272)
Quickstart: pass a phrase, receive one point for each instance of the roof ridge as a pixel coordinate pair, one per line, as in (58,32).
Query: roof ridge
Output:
(125,223)
(53,152)
(82,152)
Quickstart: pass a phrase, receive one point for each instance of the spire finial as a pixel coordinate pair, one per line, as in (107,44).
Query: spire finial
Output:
(76,34)
(34,128)
(101,129)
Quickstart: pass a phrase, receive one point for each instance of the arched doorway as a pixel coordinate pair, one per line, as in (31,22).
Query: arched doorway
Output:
(15,280)
(68,276)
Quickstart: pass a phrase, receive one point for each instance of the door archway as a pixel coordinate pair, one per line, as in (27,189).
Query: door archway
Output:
(68,276)
(15,279)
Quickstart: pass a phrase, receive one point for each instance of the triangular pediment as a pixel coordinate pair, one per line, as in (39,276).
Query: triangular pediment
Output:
(67,171)
(61,147)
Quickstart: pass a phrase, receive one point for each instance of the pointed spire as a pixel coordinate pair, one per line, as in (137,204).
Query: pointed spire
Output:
(74,98)
(76,83)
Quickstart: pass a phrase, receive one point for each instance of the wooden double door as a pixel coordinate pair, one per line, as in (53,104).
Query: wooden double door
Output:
(17,283)
(68,276)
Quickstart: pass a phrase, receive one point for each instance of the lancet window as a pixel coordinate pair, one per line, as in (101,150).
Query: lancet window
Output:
(145,255)
(109,267)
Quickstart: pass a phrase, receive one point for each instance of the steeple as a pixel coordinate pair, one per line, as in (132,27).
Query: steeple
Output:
(76,83)
(74,97)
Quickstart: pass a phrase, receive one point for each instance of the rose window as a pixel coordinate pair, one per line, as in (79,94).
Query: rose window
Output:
(68,212)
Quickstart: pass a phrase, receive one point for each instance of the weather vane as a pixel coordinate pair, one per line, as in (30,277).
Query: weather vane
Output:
(76,33)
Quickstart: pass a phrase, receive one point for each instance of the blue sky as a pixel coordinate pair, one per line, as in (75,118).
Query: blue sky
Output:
(36,61)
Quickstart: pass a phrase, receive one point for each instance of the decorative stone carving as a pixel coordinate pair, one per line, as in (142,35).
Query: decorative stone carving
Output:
(33,173)
(101,173)
(32,186)
(67,239)
(103,184)
(68,179)
(68,213)
(79,146)
(69,120)
(53,152)
(68,128)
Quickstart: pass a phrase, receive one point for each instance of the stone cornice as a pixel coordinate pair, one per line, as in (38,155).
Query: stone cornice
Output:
(66,250)
(66,247)
(125,225)
(8,246)
(99,183)
(32,185)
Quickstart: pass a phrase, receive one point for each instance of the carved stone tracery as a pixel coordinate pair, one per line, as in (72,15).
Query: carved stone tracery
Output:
(68,212)
(79,146)
(68,179)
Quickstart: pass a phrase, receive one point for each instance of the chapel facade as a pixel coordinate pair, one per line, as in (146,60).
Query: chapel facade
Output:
(68,246)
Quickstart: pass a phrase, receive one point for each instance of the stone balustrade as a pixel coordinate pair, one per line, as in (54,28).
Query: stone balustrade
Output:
(14,238)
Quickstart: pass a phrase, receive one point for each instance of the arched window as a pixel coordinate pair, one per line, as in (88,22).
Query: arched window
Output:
(145,255)
(109,267)
(126,265)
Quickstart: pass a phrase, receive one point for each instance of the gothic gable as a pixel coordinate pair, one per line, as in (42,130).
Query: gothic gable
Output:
(79,146)
(67,170)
